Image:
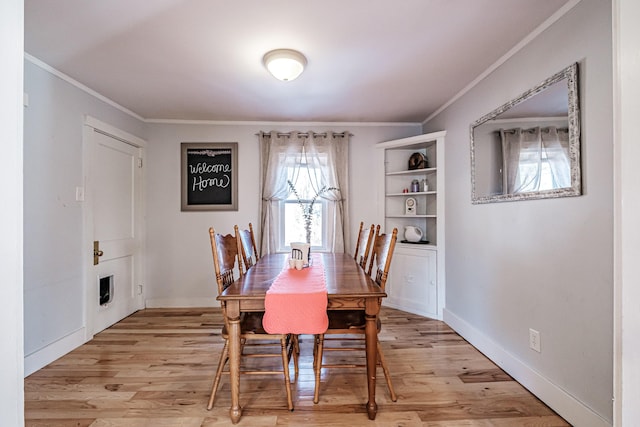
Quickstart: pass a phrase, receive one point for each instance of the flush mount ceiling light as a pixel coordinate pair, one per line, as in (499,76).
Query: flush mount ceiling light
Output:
(285,64)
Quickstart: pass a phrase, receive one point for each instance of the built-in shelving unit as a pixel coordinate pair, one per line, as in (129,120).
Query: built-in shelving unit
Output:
(416,279)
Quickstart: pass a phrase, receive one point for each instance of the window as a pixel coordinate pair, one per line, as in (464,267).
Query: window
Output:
(293,224)
(534,174)
(304,181)
(294,211)
(535,159)
(536,170)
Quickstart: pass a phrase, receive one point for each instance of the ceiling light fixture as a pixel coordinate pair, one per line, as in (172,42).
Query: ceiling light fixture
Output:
(285,64)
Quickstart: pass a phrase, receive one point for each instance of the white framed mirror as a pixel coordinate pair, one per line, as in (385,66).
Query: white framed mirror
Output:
(529,148)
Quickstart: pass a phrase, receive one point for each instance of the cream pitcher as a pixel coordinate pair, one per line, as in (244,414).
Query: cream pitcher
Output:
(412,234)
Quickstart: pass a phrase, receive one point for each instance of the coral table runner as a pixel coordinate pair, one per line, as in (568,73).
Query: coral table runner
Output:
(296,302)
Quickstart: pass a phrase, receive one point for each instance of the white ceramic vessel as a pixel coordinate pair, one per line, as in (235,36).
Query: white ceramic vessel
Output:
(412,234)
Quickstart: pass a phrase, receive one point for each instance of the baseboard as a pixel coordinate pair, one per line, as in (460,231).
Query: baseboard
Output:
(567,406)
(181,302)
(41,358)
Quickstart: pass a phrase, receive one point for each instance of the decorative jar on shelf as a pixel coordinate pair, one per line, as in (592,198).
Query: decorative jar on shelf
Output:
(412,234)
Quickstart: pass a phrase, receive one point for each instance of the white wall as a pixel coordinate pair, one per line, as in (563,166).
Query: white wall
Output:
(11,356)
(179,266)
(541,264)
(53,240)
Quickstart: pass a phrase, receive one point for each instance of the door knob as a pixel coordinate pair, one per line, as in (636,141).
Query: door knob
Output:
(97,253)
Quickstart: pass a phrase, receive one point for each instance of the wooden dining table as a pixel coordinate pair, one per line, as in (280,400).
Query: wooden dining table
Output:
(348,288)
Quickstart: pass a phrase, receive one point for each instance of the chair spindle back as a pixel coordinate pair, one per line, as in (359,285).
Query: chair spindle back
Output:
(248,247)
(225,256)
(363,244)
(381,254)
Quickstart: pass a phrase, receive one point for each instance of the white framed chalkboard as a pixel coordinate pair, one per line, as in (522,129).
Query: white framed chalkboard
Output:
(209,176)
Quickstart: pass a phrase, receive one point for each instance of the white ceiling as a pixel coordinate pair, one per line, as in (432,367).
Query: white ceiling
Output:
(368,60)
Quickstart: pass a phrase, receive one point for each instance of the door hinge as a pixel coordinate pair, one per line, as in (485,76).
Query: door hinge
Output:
(139,162)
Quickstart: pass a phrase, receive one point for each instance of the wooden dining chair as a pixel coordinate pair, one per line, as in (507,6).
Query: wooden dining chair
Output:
(249,253)
(226,256)
(349,325)
(363,244)
(249,250)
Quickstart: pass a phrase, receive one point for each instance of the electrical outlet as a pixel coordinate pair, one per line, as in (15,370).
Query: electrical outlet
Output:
(534,340)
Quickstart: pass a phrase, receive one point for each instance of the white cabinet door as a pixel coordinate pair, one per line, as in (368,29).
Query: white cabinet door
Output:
(411,285)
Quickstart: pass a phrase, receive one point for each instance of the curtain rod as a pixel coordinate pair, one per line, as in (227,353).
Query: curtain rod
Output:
(530,130)
(305,134)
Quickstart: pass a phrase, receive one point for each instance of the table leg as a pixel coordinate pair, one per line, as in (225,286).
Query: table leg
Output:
(233,315)
(371,339)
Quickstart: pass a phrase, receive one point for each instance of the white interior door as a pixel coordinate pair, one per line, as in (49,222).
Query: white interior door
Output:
(115,199)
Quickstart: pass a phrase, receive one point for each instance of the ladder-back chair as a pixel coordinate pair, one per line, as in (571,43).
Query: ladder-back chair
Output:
(348,325)
(226,254)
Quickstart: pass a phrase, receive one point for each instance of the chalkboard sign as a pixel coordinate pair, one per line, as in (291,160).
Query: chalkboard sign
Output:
(209,176)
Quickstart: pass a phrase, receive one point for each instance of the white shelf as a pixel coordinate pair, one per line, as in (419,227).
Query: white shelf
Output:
(412,172)
(412,216)
(415,193)
(414,246)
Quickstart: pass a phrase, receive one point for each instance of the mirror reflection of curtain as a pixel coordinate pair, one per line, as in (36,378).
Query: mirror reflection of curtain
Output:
(324,158)
(535,159)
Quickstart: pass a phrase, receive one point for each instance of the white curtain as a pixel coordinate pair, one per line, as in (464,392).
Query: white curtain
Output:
(535,159)
(556,145)
(284,157)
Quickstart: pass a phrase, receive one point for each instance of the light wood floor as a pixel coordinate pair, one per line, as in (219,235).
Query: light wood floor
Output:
(155,369)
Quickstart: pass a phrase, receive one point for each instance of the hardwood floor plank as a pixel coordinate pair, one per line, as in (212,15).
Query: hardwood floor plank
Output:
(155,369)
(548,421)
(72,422)
(148,422)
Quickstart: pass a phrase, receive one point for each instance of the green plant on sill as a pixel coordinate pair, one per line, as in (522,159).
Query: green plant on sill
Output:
(307,213)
